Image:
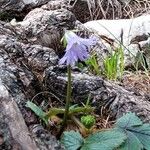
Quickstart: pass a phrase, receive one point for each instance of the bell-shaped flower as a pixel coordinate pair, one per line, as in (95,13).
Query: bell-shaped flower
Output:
(77,48)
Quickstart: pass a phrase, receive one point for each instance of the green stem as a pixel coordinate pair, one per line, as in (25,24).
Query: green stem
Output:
(68,98)
(84,131)
(78,110)
(79,124)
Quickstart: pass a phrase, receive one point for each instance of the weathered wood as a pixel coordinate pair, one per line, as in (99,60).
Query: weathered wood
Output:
(15,121)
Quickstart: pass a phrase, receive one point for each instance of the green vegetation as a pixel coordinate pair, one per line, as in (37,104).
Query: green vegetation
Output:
(88,121)
(45,116)
(129,133)
(92,65)
(114,64)
(38,111)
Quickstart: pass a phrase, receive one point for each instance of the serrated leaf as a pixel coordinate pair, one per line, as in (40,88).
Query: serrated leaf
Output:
(72,140)
(143,134)
(128,120)
(104,140)
(132,143)
(37,110)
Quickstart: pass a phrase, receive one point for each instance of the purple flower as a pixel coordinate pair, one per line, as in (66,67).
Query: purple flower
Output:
(77,48)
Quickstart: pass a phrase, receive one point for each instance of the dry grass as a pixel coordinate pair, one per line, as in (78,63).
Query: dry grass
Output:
(117,9)
(138,83)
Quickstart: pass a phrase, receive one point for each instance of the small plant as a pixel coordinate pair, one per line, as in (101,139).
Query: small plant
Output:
(88,121)
(93,65)
(141,62)
(38,111)
(129,133)
(76,49)
(114,64)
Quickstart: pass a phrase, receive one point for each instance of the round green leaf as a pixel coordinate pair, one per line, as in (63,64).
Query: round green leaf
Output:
(72,140)
(132,143)
(104,140)
(128,120)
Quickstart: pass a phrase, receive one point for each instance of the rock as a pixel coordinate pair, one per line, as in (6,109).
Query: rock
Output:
(56,4)
(22,67)
(128,101)
(83,85)
(10,9)
(23,63)
(74,6)
(46,27)
(45,139)
(15,121)
(133,34)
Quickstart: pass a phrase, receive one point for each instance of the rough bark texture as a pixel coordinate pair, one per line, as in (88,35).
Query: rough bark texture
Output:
(14,120)
(20,65)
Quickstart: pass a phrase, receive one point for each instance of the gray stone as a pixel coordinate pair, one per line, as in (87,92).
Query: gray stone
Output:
(20,65)
(132,34)
(10,9)
(45,27)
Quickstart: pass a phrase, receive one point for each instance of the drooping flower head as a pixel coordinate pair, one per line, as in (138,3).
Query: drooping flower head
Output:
(77,48)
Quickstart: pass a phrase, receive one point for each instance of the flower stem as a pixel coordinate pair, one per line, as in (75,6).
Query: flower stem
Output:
(68,99)
(80,125)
